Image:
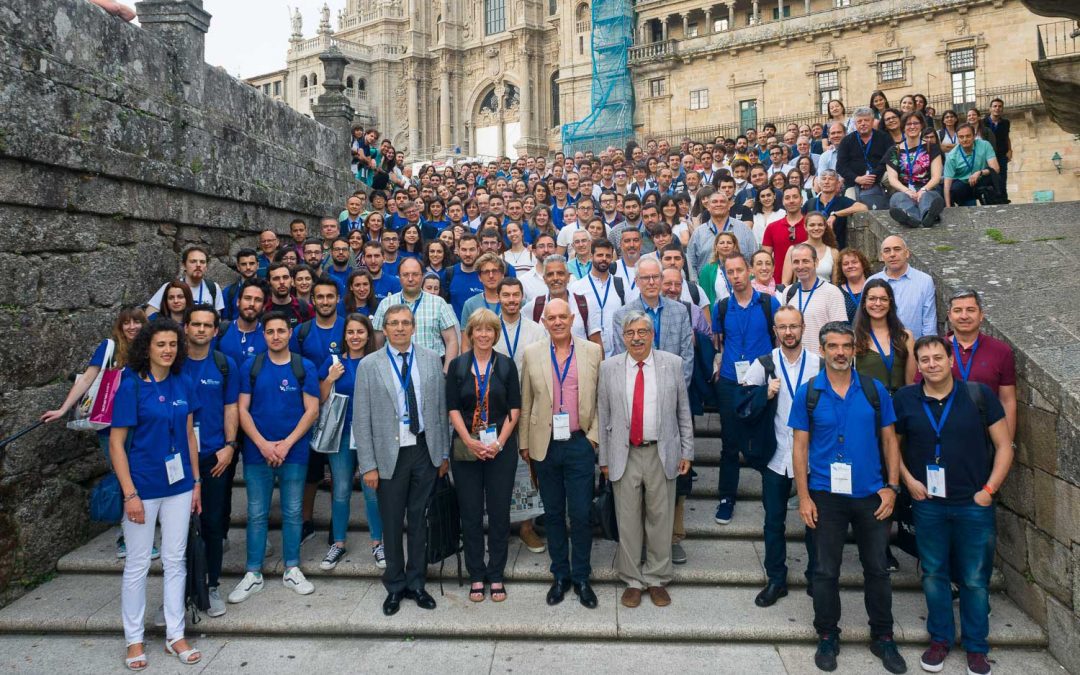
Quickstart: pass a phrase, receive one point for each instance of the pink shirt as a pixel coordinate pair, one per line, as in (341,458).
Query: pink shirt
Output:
(569,389)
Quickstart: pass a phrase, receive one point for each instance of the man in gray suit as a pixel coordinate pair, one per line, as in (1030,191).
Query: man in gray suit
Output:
(646,438)
(402,436)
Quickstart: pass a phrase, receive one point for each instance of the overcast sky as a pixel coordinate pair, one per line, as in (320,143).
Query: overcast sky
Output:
(250,37)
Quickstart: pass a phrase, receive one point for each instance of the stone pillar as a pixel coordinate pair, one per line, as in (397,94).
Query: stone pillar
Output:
(731,14)
(444,109)
(332,107)
(412,102)
(183,25)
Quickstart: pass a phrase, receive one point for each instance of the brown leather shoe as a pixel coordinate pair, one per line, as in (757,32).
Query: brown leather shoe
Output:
(631,597)
(659,596)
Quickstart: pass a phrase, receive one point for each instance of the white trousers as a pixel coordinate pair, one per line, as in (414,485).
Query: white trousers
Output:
(174,514)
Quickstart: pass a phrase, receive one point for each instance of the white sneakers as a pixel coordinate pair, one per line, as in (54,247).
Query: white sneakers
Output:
(250,584)
(295,580)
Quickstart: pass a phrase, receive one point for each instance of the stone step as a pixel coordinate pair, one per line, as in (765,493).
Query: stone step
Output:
(715,562)
(90,603)
(93,654)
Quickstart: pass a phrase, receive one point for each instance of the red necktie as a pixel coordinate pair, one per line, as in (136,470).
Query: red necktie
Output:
(637,412)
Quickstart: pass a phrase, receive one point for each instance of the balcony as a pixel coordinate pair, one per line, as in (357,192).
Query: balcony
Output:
(654,51)
(1058,71)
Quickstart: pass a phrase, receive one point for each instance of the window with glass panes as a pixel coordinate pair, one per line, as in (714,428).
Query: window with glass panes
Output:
(828,83)
(962,70)
(699,99)
(891,71)
(494,16)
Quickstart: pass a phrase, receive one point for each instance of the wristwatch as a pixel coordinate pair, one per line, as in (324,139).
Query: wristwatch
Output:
(894,487)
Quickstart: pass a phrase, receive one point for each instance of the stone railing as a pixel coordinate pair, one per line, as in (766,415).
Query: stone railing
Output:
(649,52)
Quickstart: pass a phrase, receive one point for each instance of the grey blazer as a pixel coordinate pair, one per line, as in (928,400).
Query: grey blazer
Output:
(675,433)
(376,415)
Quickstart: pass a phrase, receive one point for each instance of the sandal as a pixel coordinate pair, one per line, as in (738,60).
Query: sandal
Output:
(137,662)
(498,592)
(189,656)
(476,592)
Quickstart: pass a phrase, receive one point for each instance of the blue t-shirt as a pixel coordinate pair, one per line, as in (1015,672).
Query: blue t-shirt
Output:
(386,284)
(463,285)
(241,346)
(320,342)
(215,392)
(966,451)
(277,404)
(746,333)
(850,418)
(345,384)
(156,414)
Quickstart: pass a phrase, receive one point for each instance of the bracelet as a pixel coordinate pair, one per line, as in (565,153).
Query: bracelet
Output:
(128,498)
(988,490)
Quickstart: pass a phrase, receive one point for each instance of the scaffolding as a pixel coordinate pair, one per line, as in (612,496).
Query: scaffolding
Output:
(611,119)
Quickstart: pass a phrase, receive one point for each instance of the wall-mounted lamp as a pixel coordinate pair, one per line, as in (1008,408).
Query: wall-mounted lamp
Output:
(1056,159)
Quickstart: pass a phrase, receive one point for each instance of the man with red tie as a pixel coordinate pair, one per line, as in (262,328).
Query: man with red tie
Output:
(646,440)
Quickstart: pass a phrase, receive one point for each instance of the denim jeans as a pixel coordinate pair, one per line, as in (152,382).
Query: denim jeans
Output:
(965,535)
(342,469)
(214,496)
(835,513)
(260,489)
(565,479)
(775,489)
(733,436)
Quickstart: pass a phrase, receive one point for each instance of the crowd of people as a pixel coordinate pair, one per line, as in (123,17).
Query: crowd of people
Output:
(571,317)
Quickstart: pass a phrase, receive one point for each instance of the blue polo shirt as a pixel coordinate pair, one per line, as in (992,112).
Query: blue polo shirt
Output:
(852,418)
(320,342)
(746,333)
(241,346)
(966,451)
(145,409)
(215,392)
(277,404)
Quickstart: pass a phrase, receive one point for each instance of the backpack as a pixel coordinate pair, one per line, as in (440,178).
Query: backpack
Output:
(582,305)
(766,306)
(296,362)
(866,383)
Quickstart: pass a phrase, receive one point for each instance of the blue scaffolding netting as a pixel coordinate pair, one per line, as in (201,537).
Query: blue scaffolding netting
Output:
(611,120)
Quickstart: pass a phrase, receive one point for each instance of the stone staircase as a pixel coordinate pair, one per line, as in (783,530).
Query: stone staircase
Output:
(712,624)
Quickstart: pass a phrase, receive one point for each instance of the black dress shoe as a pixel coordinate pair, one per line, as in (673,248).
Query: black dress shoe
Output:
(392,603)
(769,595)
(557,591)
(422,598)
(585,595)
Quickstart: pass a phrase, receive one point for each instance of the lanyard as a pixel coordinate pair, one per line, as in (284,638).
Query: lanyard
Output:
(482,386)
(783,369)
(887,360)
(855,297)
(970,163)
(167,405)
(965,369)
(866,152)
(938,425)
(809,296)
(565,371)
(910,161)
(655,316)
(506,336)
(403,379)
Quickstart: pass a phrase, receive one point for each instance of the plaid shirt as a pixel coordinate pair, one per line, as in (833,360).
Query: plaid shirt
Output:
(431,314)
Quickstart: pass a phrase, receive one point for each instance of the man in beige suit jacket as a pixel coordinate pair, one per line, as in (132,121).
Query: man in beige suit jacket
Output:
(646,439)
(559,432)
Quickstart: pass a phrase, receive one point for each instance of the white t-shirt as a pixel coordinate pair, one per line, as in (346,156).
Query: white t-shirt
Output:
(200,294)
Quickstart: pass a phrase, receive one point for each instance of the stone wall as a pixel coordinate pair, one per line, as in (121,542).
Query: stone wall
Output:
(118,146)
(1024,260)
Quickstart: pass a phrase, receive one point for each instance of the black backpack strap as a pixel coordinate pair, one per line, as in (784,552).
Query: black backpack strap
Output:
(256,368)
(297,363)
(222,364)
(620,290)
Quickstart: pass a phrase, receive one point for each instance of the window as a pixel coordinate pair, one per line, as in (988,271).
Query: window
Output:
(828,83)
(699,99)
(691,30)
(494,16)
(657,87)
(891,71)
(776,12)
(555,114)
(748,114)
(719,25)
(277,88)
(962,68)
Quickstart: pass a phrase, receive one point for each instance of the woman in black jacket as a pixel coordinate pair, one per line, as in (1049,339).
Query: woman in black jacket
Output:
(483,396)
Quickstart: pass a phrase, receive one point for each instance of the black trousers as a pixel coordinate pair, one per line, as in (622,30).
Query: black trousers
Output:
(402,499)
(835,513)
(486,485)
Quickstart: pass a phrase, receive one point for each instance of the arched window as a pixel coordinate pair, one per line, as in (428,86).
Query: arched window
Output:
(349,82)
(303,81)
(555,115)
(314,80)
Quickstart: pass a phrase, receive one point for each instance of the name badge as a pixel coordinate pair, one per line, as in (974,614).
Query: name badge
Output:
(935,480)
(489,436)
(741,369)
(840,478)
(174,468)
(560,426)
(198,440)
